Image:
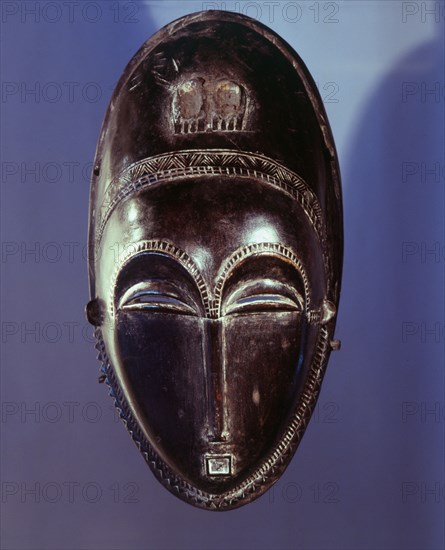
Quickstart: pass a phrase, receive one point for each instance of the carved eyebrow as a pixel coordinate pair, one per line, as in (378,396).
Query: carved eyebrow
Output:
(264,294)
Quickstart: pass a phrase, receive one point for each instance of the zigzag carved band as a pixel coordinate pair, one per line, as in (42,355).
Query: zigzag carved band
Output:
(208,163)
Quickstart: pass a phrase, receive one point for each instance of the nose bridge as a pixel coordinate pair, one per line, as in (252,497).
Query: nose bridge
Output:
(216,379)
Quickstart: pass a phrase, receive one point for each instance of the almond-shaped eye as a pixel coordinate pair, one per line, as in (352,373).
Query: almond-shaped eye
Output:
(259,303)
(155,302)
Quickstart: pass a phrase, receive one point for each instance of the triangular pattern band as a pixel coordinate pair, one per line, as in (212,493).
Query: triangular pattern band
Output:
(209,163)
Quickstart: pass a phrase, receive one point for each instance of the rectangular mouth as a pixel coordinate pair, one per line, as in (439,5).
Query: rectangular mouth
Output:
(219,465)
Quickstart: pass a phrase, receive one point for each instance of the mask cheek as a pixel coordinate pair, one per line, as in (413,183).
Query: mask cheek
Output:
(263,362)
(160,356)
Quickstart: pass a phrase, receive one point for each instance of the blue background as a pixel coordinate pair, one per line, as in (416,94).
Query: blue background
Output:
(369,473)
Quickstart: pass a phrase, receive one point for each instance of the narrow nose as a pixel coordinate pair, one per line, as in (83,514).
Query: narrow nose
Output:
(216,380)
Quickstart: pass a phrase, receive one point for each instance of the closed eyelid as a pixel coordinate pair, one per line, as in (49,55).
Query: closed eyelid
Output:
(156,297)
(265,294)
(149,288)
(263,302)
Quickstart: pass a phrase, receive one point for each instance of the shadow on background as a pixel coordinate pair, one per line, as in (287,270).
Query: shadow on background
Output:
(392,309)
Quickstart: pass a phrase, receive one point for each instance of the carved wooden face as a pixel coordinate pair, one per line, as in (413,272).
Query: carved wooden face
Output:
(208,324)
(215,239)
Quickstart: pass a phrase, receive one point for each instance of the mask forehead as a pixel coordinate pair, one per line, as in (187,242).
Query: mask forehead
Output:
(217,218)
(215,246)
